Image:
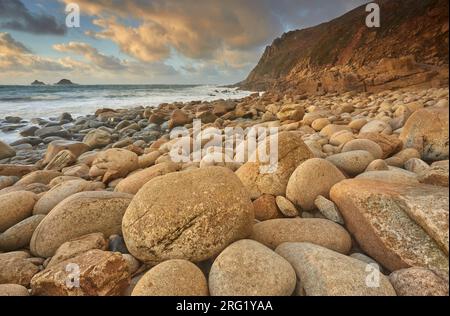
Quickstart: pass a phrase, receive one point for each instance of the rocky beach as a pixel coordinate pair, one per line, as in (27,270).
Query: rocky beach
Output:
(356,204)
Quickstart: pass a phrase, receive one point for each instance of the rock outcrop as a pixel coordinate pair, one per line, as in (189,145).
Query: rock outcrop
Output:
(410,48)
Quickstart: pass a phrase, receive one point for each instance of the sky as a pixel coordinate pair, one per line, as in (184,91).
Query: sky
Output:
(148,41)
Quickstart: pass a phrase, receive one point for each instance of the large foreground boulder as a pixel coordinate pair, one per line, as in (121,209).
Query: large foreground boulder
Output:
(399,225)
(80,214)
(190,215)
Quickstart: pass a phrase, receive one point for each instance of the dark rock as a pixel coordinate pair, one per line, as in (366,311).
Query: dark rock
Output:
(65,117)
(29,131)
(11,127)
(39,121)
(13,119)
(52,131)
(65,82)
(117,244)
(32,140)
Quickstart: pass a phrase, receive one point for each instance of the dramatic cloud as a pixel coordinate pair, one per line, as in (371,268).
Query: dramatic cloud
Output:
(15,16)
(203,29)
(183,41)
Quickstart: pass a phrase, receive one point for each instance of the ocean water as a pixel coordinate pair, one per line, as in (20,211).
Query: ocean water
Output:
(30,102)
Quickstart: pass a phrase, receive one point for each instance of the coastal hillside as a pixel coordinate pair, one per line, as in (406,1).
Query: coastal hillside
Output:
(410,48)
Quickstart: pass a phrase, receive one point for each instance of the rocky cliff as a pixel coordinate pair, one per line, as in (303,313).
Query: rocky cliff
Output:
(410,48)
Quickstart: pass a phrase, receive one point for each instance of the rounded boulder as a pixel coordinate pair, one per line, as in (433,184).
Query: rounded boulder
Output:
(80,214)
(312,178)
(190,215)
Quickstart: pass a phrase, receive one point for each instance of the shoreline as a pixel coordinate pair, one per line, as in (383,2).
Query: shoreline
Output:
(25,130)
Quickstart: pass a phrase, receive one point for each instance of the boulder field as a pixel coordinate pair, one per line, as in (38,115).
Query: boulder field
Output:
(355,202)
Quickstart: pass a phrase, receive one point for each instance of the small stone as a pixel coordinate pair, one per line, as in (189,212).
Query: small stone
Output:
(266,208)
(117,244)
(427,131)
(328,209)
(377,165)
(320,123)
(390,144)
(286,207)
(416,165)
(62,191)
(393,175)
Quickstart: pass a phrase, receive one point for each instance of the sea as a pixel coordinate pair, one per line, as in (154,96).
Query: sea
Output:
(50,101)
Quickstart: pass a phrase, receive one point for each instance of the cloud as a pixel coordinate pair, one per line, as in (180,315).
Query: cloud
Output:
(92,55)
(15,16)
(9,46)
(98,60)
(14,56)
(203,29)
(200,29)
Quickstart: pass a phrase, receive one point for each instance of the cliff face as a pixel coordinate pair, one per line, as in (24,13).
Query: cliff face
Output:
(409,49)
